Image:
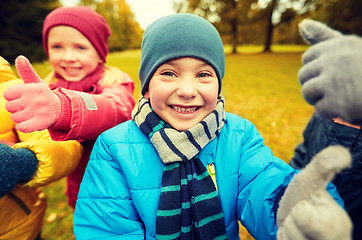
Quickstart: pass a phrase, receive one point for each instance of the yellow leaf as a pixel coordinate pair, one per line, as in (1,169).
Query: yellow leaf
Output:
(52,217)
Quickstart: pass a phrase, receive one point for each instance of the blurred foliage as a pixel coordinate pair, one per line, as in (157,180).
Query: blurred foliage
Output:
(238,21)
(126,31)
(343,15)
(273,21)
(247,21)
(21,24)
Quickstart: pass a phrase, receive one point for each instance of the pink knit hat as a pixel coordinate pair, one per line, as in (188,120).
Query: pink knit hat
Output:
(87,21)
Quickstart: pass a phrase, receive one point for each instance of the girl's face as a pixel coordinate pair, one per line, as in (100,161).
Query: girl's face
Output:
(71,53)
(183,92)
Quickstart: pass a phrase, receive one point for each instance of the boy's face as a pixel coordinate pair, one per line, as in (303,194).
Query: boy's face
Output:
(71,53)
(183,92)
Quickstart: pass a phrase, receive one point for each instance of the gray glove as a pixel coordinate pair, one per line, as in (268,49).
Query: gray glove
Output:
(331,75)
(307,210)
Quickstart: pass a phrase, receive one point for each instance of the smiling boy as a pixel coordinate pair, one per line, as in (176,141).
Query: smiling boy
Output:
(150,178)
(183,92)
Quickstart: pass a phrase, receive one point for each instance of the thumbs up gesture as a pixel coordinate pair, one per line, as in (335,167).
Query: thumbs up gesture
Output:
(32,105)
(331,75)
(307,210)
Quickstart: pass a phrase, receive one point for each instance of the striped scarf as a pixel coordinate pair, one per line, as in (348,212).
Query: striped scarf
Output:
(189,205)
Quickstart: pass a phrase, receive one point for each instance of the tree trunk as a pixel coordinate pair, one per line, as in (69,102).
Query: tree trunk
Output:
(270,27)
(234,27)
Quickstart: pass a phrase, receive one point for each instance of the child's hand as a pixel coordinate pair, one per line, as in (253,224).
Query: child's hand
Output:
(307,210)
(32,104)
(331,77)
(16,166)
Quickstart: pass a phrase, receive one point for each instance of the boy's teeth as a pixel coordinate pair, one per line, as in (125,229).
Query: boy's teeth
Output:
(184,110)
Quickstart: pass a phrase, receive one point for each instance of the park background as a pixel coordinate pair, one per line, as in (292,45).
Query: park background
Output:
(263,55)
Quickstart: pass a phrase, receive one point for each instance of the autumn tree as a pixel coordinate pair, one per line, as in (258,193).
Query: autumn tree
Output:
(226,15)
(277,12)
(21,23)
(269,26)
(343,15)
(126,32)
(242,19)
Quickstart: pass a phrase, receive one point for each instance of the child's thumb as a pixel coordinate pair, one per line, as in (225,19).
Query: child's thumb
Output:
(26,71)
(314,32)
(325,165)
(314,178)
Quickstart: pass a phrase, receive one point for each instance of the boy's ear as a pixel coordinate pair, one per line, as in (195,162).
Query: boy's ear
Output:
(147,95)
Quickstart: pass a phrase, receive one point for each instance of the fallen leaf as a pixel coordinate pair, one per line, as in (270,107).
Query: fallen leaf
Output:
(52,217)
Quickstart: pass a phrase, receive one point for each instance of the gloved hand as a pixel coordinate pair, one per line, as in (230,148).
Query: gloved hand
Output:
(331,77)
(16,166)
(307,210)
(32,104)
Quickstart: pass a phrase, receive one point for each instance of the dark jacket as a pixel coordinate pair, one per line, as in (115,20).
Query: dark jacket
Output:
(321,133)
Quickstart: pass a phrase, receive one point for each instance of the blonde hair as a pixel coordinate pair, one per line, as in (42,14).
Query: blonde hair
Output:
(112,75)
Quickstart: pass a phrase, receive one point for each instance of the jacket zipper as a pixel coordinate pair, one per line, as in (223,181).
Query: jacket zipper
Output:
(211,170)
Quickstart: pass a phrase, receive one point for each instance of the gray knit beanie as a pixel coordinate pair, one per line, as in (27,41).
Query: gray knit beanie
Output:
(176,36)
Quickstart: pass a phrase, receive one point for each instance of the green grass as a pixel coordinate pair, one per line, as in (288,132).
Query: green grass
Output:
(264,89)
(261,87)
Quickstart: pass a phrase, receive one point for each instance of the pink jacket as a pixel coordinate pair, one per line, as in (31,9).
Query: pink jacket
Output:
(85,116)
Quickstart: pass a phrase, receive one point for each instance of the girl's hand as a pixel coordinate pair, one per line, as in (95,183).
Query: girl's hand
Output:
(32,105)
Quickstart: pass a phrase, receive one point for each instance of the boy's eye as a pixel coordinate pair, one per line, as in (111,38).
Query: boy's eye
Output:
(203,75)
(168,73)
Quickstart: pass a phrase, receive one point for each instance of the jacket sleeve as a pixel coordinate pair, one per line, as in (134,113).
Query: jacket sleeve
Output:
(55,159)
(6,72)
(104,207)
(261,177)
(300,158)
(92,114)
(267,177)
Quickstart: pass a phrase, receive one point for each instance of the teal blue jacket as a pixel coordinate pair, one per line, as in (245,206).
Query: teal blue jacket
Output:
(119,194)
